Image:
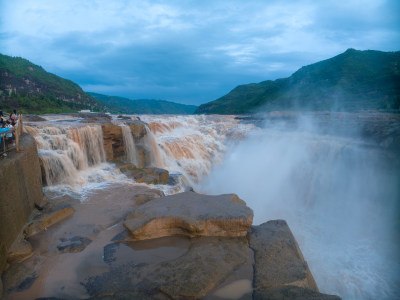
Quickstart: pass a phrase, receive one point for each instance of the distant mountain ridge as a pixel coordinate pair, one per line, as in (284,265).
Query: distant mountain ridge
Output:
(353,80)
(144,106)
(29,88)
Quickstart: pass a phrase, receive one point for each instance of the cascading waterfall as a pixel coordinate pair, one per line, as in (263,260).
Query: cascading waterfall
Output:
(64,151)
(191,145)
(130,148)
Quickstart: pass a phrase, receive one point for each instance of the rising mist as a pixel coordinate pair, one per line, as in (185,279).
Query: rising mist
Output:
(337,188)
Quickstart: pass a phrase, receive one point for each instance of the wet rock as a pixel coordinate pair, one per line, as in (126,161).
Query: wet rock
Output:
(33,118)
(113,142)
(280,271)
(18,278)
(145,175)
(192,215)
(148,195)
(138,129)
(45,220)
(190,276)
(20,250)
(74,245)
(122,117)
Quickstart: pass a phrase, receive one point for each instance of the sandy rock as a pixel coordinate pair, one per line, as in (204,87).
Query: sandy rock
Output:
(74,245)
(279,264)
(192,215)
(45,220)
(20,250)
(207,262)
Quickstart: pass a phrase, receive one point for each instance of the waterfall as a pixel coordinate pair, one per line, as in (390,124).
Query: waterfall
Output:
(130,148)
(157,155)
(63,151)
(191,145)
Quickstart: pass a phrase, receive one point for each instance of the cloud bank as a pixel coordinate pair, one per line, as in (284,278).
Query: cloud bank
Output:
(189,51)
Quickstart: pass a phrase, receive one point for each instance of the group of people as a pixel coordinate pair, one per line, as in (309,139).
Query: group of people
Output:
(12,119)
(7,124)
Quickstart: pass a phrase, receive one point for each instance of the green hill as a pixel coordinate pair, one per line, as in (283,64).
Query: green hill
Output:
(354,80)
(30,89)
(144,106)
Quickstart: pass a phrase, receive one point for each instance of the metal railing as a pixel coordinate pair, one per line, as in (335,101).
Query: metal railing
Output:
(8,143)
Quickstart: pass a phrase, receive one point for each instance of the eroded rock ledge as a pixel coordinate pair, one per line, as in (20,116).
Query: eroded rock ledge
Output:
(192,215)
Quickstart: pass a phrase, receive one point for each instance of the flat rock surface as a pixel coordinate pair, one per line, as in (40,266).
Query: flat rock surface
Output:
(192,215)
(206,263)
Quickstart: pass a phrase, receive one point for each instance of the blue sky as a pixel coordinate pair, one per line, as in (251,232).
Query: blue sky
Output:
(189,51)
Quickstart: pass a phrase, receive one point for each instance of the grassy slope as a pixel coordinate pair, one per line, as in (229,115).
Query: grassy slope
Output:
(353,80)
(55,94)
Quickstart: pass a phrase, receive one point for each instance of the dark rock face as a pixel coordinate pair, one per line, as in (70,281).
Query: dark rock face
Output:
(192,215)
(207,262)
(280,271)
(20,188)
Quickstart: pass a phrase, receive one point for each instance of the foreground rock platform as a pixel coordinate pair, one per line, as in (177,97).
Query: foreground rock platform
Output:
(92,255)
(192,215)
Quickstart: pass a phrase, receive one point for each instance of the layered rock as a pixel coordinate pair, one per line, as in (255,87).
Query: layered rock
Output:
(192,215)
(280,271)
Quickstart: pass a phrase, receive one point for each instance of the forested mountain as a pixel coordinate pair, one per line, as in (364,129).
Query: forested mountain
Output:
(353,80)
(29,88)
(144,106)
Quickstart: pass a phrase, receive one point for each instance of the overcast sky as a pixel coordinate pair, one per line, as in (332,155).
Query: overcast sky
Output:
(189,51)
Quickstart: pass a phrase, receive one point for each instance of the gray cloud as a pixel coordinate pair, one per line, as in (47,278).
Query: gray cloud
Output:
(189,51)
